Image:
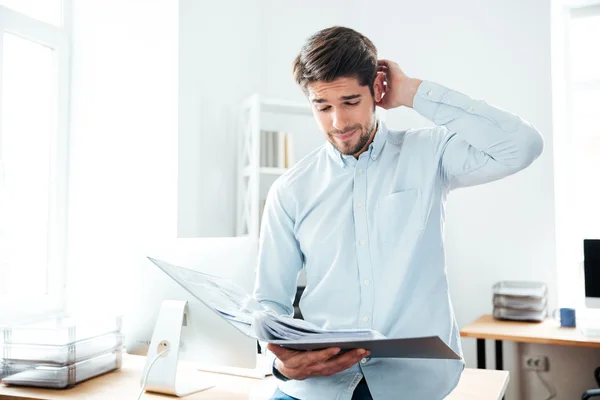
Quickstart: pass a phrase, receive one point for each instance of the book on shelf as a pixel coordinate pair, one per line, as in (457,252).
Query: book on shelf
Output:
(288,159)
(280,149)
(269,139)
(276,149)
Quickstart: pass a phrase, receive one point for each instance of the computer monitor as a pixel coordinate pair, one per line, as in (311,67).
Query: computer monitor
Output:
(591,267)
(207,340)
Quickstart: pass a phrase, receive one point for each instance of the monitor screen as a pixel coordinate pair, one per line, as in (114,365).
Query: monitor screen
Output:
(591,266)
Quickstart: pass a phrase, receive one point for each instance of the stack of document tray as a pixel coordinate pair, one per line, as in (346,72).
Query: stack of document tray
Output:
(520,301)
(59,352)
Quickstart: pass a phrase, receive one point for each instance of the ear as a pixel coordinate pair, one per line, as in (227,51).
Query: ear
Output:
(378,86)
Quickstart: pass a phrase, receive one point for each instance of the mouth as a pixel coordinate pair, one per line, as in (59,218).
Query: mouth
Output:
(345,136)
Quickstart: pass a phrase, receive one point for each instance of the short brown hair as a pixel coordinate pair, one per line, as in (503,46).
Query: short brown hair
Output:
(333,53)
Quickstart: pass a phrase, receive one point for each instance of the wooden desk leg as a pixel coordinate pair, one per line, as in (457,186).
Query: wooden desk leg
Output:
(499,359)
(481,353)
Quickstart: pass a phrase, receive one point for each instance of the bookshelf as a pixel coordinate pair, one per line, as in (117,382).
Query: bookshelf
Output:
(268,147)
(265,153)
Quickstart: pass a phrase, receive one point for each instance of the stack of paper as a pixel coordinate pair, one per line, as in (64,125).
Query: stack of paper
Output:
(270,327)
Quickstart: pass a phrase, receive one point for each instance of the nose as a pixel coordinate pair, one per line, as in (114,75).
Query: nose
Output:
(340,120)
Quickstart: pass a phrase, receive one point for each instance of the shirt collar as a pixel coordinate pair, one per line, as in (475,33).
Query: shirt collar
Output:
(374,148)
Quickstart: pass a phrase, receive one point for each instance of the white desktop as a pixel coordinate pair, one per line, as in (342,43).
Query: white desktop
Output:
(206,339)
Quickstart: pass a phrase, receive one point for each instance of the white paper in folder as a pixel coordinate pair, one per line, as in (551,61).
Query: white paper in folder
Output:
(237,307)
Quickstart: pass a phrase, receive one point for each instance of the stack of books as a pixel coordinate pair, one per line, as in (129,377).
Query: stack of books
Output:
(59,352)
(276,149)
(520,301)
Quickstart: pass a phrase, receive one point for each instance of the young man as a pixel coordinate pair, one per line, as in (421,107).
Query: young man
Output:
(364,215)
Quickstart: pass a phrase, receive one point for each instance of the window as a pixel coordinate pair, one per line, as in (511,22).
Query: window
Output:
(576,139)
(583,119)
(34,49)
(583,88)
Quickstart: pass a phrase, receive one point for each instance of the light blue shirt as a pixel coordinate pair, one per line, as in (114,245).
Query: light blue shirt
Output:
(369,232)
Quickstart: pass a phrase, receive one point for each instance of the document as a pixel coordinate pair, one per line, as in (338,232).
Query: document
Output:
(237,307)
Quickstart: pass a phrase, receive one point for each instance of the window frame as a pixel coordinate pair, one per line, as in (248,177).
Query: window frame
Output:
(569,249)
(57,38)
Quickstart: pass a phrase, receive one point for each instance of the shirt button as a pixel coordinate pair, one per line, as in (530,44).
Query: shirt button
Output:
(366,281)
(374,156)
(363,361)
(430,93)
(470,109)
(358,204)
(365,318)
(362,242)
(360,171)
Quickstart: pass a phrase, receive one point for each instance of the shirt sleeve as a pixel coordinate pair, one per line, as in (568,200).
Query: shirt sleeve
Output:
(476,142)
(279,257)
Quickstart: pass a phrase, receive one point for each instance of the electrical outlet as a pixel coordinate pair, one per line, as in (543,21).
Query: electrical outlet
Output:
(536,363)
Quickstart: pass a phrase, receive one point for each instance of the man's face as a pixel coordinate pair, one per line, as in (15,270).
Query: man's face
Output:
(345,112)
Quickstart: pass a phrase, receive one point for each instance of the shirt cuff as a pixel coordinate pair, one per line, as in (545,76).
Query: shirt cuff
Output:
(428,99)
(278,374)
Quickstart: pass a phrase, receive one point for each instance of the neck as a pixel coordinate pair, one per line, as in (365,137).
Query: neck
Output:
(366,146)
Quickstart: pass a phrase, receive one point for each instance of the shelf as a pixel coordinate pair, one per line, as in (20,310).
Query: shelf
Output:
(266,171)
(255,181)
(272,171)
(286,107)
(279,106)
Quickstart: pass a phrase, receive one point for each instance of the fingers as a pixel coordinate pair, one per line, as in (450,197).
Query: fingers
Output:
(281,353)
(294,359)
(302,365)
(383,103)
(339,363)
(305,359)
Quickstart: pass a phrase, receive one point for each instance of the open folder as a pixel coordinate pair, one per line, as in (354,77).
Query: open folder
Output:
(246,314)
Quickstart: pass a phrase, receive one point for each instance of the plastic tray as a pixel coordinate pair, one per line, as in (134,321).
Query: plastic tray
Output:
(61,355)
(521,289)
(59,331)
(519,315)
(60,377)
(520,303)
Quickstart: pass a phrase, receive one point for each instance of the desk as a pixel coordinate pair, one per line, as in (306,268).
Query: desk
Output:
(546,332)
(124,384)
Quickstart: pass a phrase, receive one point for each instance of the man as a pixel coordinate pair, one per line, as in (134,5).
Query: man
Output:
(364,215)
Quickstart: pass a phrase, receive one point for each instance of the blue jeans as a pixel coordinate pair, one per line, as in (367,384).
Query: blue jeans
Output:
(360,393)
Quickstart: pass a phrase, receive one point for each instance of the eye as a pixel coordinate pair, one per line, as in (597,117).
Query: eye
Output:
(353,104)
(324,109)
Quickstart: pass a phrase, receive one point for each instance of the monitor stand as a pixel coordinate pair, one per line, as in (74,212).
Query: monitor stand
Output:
(166,375)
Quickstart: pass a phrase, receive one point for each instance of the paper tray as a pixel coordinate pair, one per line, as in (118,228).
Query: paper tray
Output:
(60,377)
(59,330)
(520,303)
(519,315)
(521,289)
(61,355)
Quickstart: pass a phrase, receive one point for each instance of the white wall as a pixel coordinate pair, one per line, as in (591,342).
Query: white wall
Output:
(123,143)
(219,66)
(498,51)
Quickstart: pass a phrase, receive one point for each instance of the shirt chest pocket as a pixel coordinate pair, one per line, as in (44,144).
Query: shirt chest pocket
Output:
(399,215)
